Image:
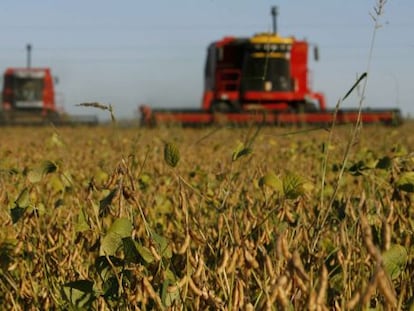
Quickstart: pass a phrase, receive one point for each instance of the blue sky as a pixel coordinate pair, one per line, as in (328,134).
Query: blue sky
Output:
(130,52)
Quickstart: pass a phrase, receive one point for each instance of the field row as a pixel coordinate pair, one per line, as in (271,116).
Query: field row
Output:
(218,218)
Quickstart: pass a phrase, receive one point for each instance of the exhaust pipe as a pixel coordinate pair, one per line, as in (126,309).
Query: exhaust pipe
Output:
(274,13)
(29,56)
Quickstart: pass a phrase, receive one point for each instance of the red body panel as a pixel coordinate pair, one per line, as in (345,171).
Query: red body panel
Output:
(207,98)
(299,68)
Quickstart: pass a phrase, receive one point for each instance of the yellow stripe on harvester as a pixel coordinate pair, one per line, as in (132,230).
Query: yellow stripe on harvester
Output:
(269,38)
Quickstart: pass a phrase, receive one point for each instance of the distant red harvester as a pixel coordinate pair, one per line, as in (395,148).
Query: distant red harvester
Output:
(28,90)
(28,98)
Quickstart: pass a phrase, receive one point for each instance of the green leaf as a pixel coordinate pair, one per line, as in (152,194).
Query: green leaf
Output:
(171,154)
(105,266)
(336,282)
(406,182)
(240,151)
(81,224)
(41,208)
(6,254)
(56,185)
(395,260)
(17,213)
(384,163)
(121,227)
(164,247)
(79,294)
(23,200)
(100,176)
(112,241)
(144,181)
(20,205)
(399,150)
(110,287)
(36,174)
(145,253)
(272,181)
(130,250)
(357,168)
(48,167)
(9,171)
(55,140)
(167,297)
(293,186)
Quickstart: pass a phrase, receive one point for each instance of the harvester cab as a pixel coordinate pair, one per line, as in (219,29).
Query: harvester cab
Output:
(266,71)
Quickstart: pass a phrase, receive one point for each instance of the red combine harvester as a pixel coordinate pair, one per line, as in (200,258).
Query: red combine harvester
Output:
(28,98)
(28,94)
(262,79)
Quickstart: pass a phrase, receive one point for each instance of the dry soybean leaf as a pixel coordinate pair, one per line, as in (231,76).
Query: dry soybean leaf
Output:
(171,154)
(95,105)
(395,260)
